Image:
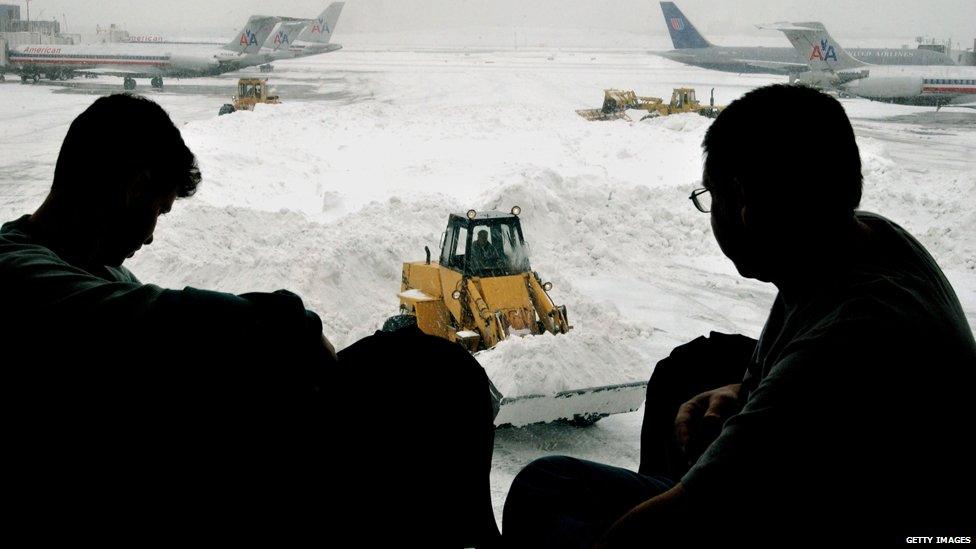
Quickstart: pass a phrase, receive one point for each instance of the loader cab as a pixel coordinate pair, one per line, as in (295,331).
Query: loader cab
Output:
(484,244)
(251,88)
(683,97)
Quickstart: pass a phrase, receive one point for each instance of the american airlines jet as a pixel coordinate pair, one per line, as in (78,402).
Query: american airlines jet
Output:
(691,48)
(303,37)
(262,40)
(317,36)
(132,61)
(906,84)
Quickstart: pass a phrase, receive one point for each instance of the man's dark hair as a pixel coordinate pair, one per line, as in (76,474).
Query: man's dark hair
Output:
(787,147)
(118,137)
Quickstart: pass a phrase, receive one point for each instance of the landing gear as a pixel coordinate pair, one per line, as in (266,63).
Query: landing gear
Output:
(129,83)
(157,82)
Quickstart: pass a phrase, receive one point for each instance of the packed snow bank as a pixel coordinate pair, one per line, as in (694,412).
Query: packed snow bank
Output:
(331,202)
(549,363)
(270,216)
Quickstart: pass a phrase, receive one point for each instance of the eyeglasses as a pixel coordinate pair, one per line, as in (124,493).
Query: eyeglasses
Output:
(702,198)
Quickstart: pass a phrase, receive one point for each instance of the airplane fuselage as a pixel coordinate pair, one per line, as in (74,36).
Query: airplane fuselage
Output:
(914,85)
(135,60)
(788,61)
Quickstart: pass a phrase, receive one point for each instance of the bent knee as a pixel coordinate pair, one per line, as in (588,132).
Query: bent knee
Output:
(543,477)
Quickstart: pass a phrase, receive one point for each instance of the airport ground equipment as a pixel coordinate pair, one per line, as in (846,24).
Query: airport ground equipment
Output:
(616,103)
(483,291)
(250,92)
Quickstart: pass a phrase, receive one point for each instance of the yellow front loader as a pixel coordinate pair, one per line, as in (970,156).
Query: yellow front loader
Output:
(482,291)
(616,103)
(250,92)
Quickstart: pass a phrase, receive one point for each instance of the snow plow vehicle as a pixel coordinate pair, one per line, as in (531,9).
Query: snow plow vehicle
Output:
(483,291)
(250,92)
(616,103)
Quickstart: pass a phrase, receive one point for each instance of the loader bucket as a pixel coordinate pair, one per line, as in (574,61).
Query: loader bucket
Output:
(578,406)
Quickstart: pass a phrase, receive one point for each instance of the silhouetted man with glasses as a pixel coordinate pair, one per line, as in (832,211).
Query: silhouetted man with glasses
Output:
(851,418)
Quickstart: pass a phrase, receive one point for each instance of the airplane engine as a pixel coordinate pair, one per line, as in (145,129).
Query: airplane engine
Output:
(195,64)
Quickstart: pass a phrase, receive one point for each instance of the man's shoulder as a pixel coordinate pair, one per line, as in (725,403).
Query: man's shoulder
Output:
(897,278)
(895,300)
(18,248)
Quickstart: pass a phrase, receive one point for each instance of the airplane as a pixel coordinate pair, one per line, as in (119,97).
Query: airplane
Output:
(691,48)
(293,38)
(905,84)
(303,37)
(264,39)
(132,61)
(316,37)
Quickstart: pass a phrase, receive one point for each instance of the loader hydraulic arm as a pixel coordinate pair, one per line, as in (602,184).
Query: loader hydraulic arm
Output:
(553,317)
(490,330)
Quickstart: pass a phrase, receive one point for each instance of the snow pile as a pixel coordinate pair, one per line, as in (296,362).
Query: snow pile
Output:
(270,215)
(549,363)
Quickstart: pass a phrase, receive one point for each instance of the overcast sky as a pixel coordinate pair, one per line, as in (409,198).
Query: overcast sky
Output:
(954,19)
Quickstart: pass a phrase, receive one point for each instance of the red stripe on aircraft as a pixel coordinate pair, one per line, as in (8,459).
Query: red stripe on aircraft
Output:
(943,89)
(22,60)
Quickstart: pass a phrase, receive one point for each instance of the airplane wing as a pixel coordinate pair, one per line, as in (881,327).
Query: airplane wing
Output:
(764,64)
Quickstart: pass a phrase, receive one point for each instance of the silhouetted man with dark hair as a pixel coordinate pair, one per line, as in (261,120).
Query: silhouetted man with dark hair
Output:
(849,419)
(132,407)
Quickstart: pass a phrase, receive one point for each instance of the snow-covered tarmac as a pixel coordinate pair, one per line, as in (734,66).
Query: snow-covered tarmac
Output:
(328,193)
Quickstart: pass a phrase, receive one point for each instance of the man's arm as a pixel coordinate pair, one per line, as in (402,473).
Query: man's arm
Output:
(71,301)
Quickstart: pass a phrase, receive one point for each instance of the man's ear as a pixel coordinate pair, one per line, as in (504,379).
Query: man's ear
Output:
(137,187)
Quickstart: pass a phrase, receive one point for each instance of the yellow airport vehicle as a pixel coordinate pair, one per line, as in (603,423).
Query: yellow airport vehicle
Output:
(616,103)
(250,92)
(483,291)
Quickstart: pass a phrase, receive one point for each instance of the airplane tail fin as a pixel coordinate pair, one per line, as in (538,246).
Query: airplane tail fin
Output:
(319,31)
(816,46)
(684,35)
(254,34)
(284,34)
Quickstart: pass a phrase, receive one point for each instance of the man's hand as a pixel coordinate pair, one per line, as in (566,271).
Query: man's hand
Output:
(699,421)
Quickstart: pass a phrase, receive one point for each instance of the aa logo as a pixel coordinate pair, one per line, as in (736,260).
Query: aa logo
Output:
(249,38)
(823,51)
(677,24)
(281,38)
(320,26)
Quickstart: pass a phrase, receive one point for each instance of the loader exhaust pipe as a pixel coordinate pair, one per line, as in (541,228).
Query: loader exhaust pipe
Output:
(426,249)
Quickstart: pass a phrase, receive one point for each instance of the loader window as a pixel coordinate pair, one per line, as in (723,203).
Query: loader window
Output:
(497,250)
(486,254)
(454,248)
(462,241)
(515,252)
